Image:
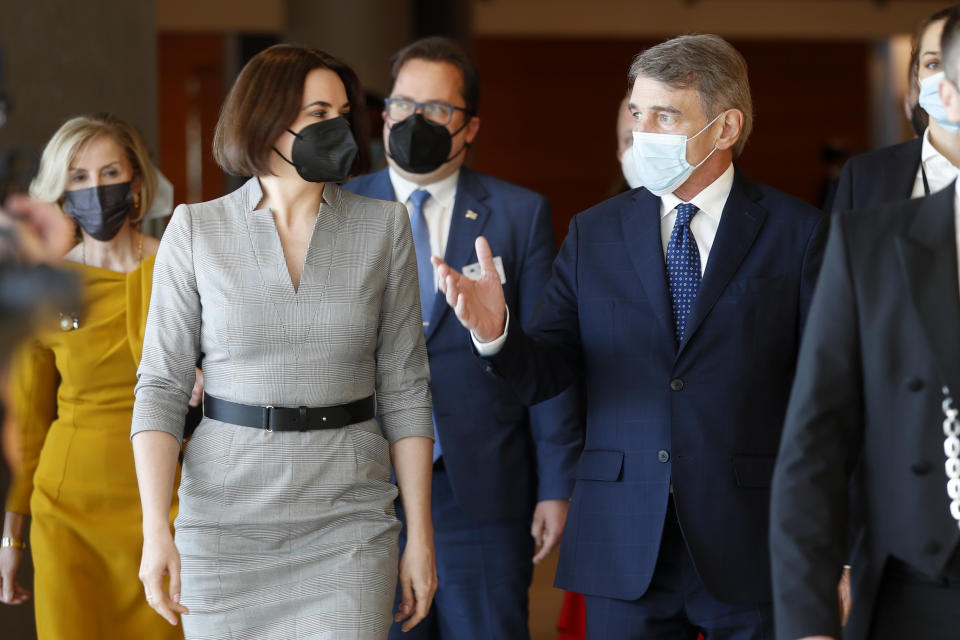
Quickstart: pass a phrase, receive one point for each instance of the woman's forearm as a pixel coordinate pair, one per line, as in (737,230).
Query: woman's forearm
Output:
(155,455)
(413,464)
(14,525)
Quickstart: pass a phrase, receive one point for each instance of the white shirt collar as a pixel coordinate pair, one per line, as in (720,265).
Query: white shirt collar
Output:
(927,150)
(709,201)
(443,191)
(933,160)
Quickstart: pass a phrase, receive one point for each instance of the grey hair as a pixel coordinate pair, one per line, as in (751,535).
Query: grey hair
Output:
(707,63)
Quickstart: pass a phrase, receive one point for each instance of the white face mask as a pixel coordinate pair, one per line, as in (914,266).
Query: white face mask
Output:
(660,159)
(629,169)
(930,102)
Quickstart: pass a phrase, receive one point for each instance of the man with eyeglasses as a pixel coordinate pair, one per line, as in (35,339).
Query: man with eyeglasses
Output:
(503,474)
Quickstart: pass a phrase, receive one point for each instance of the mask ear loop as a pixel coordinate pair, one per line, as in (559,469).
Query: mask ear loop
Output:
(707,126)
(295,135)
(465,144)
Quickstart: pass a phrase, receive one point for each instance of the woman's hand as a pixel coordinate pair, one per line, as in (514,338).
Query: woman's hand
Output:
(14,526)
(160,558)
(196,396)
(11,592)
(418,583)
(844,595)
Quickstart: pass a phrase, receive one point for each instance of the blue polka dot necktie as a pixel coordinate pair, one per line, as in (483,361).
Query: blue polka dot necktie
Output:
(421,244)
(683,268)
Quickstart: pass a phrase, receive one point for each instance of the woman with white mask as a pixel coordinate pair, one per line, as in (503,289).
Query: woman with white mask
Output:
(920,166)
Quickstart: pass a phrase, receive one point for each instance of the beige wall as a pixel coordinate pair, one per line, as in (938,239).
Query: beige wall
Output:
(251,16)
(815,19)
(364,33)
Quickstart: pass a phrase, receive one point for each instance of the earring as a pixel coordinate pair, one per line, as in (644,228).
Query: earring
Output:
(136,201)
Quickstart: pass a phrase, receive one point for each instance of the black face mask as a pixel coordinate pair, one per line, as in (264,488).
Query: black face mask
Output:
(420,146)
(918,120)
(323,151)
(100,211)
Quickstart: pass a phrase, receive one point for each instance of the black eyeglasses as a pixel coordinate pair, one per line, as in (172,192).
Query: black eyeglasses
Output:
(435,112)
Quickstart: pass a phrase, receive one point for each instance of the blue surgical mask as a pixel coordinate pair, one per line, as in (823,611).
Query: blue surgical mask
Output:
(931,103)
(661,159)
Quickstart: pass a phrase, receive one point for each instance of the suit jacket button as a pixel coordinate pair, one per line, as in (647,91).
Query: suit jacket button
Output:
(913,384)
(920,468)
(663,455)
(676,384)
(930,547)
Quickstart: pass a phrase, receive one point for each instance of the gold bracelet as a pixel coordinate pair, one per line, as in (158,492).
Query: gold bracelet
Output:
(12,542)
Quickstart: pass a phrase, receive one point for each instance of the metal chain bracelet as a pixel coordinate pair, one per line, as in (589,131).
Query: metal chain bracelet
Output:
(951,448)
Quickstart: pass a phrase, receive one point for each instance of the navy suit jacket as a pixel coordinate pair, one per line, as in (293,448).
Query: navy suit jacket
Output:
(884,339)
(878,177)
(705,417)
(501,457)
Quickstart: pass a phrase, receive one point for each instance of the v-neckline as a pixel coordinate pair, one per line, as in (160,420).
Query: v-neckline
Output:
(295,288)
(268,251)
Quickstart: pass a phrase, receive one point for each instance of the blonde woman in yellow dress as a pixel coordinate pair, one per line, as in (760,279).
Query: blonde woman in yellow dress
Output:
(72,399)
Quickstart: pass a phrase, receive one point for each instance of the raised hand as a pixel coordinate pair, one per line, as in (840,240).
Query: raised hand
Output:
(479,304)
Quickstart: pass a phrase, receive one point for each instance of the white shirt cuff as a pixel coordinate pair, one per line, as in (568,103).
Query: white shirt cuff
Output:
(493,347)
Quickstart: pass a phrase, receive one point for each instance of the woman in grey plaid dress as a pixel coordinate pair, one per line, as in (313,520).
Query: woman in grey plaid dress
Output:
(304,301)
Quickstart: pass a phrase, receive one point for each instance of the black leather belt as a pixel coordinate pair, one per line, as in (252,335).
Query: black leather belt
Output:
(289,418)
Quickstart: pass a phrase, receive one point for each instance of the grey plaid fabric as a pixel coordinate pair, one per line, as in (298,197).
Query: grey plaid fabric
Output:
(287,535)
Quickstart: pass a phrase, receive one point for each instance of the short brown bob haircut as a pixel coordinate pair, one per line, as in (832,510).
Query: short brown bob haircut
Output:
(265,100)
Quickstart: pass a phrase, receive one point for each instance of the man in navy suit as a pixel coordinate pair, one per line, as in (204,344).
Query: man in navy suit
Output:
(680,307)
(503,474)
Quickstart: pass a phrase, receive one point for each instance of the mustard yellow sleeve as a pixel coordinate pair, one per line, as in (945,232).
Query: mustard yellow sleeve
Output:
(33,399)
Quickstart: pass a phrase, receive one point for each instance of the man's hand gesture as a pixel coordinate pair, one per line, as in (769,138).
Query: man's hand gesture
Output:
(479,304)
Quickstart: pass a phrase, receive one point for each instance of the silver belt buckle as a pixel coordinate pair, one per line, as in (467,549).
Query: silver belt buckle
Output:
(269,407)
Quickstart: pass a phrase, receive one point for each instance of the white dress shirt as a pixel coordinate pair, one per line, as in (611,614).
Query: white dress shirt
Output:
(940,172)
(710,202)
(704,224)
(437,209)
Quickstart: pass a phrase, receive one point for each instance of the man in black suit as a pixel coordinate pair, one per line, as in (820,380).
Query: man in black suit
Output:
(877,380)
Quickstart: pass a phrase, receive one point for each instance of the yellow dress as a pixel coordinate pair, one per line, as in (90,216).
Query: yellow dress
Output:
(72,397)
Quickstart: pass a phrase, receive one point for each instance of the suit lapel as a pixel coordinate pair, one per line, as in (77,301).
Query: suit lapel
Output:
(928,258)
(640,218)
(739,225)
(380,187)
(902,171)
(469,217)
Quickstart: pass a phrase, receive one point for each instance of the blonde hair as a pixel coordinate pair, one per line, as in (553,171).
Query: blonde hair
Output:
(52,178)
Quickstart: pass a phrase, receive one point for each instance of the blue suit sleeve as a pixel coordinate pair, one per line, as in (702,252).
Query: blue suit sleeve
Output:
(557,424)
(546,362)
(812,259)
